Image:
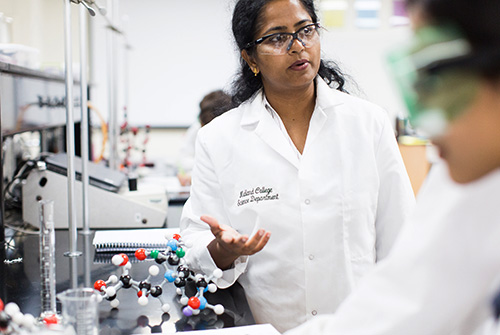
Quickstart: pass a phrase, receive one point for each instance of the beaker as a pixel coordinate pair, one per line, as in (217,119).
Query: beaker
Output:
(80,310)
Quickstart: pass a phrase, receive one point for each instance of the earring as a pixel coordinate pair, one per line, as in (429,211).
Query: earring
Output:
(255,72)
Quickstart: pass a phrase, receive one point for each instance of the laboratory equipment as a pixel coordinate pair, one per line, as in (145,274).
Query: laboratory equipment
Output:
(144,208)
(47,259)
(80,310)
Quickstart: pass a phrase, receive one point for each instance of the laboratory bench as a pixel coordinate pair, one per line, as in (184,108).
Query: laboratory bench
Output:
(20,272)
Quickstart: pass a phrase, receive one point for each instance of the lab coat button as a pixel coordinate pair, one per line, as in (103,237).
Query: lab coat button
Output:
(311,257)
(314,312)
(307,201)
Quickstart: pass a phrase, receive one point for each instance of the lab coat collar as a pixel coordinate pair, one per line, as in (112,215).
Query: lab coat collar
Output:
(257,118)
(326,97)
(255,107)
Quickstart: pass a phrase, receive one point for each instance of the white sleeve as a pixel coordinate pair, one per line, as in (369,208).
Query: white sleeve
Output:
(444,267)
(396,199)
(186,152)
(206,199)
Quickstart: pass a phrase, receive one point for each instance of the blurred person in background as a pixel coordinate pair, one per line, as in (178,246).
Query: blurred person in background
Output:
(443,273)
(212,105)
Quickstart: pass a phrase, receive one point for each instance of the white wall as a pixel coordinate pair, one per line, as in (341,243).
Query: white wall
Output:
(362,55)
(181,50)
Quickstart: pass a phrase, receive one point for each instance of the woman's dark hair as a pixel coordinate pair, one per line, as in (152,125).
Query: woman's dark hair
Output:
(246,17)
(479,22)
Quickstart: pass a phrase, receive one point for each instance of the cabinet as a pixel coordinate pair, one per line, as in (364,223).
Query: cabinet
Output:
(416,163)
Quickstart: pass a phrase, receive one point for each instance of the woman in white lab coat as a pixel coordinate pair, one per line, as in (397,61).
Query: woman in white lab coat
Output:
(443,272)
(299,158)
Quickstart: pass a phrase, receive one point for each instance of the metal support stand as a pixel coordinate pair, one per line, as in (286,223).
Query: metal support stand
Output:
(84,122)
(70,138)
(88,249)
(2,224)
(112,85)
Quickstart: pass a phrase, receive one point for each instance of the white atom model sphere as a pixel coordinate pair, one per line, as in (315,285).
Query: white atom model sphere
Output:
(114,303)
(184,301)
(143,301)
(165,308)
(218,309)
(217,273)
(110,291)
(154,270)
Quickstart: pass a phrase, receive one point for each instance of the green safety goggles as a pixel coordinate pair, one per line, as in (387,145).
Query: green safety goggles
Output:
(434,78)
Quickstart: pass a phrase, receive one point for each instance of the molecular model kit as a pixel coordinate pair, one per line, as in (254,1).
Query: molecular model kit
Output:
(176,271)
(14,322)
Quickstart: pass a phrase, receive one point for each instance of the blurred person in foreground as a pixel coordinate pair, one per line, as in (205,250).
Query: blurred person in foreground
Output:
(443,273)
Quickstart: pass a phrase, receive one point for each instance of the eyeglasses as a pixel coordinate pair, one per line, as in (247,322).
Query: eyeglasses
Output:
(280,43)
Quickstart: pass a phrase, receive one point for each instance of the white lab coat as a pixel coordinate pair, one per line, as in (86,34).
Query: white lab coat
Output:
(442,273)
(331,212)
(186,152)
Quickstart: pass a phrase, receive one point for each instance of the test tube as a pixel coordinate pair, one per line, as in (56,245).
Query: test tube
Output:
(47,258)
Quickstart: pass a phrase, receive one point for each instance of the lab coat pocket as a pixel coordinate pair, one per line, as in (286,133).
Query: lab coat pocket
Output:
(359,225)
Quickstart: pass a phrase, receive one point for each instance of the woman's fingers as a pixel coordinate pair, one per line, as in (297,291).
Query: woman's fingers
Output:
(257,242)
(227,237)
(222,233)
(262,242)
(213,223)
(235,242)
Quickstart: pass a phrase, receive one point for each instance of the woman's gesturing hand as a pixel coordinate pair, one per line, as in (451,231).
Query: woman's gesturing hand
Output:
(229,244)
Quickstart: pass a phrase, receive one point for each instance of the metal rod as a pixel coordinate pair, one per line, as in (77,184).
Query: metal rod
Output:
(3,271)
(70,133)
(115,17)
(73,272)
(112,93)
(88,248)
(84,122)
(125,81)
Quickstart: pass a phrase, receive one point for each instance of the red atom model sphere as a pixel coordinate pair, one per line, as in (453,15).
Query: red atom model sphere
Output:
(99,284)
(50,319)
(194,302)
(125,259)
(140,254)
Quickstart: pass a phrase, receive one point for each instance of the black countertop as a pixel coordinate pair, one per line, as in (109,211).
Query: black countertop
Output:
(21,284)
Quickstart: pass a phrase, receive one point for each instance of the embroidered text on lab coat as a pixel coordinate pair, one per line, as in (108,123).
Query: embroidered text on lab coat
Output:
(256,195)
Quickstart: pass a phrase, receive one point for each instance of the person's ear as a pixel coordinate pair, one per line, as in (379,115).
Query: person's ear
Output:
(250,61)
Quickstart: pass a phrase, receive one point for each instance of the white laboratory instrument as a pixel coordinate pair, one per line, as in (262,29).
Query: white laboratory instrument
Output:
(144,208)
